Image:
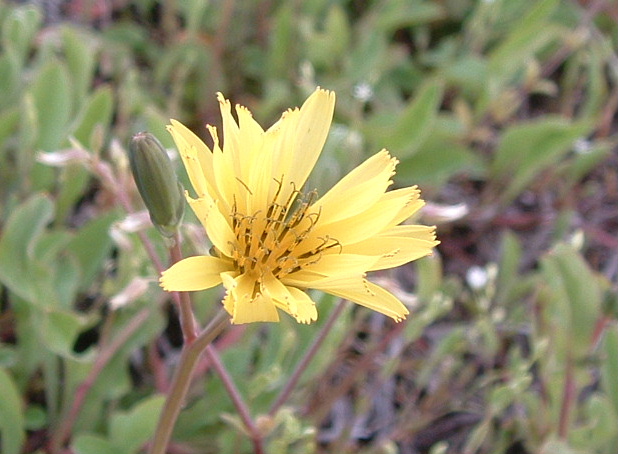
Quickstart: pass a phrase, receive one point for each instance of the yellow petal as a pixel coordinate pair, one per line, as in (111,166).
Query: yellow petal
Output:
(201,207)
(196,157)
(314,121)
(412,205)
(230,132)
(219,231)
(248,305)
(399,251)
(397,246)
(228,279)
(250,138)
(302,137)
(364,225)
(295,302)
(306,311)
(225,178)
(215,223)
(365,293)
(194,273)
(361,188)
(421,232)
(340,264)
(227,164)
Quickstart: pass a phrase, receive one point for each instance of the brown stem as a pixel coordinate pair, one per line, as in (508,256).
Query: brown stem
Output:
(181,381)
(187,319)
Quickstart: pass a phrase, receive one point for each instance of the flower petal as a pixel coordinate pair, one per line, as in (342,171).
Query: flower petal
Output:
(248,305)
(306,311)
(364,225)
(412,205)
(292,300)
(397,246)
(194,273)
(316,115)
(360,188)
(215,223)
(340,264)
(220,232)
(365,293)
(196,157)
(302,134)
(250,138)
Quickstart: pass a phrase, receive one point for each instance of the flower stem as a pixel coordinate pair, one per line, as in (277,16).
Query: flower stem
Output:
(187,319)
(181,381)
(307,357)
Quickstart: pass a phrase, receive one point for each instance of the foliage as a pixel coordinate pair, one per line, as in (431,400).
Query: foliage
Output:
(502,111)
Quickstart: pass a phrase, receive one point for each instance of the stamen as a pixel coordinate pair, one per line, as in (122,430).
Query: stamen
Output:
(266,241)
(245,185)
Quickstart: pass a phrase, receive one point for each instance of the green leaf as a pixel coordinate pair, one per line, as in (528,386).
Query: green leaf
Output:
(596,424)
(554,446)
(51,91)
(440,156)
(575,299)
(609,367)
(17,245)
(10,78)
(414,124)
(36,417)
(429,270)
(73,181)
(129,430)
(284,42)
(11,416)
(9,119)
(97,111)
(585,161)
(328,47)
(91,246)
(80,56)
(508,270)
(93,444)
(8,356)
(59,329)
(527,35)
(527,148)
(20,28)
(367,58)
(193,13)
(398,14)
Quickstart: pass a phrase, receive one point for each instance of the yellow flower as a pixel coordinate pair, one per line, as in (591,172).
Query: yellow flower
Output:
(271,241)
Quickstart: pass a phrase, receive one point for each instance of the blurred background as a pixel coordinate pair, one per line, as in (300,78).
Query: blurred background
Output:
(502,111)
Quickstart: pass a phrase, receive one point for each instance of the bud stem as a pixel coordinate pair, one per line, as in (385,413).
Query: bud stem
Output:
(187,319)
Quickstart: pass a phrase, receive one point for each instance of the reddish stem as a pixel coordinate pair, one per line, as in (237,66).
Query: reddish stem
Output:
(237,400)
(306,359)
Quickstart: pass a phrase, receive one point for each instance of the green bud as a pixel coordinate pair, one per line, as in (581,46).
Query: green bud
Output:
(157,182)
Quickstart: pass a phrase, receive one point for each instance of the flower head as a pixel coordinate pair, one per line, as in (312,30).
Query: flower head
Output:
(271,240)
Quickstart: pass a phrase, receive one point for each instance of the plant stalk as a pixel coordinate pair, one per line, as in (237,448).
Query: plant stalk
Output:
(182,380)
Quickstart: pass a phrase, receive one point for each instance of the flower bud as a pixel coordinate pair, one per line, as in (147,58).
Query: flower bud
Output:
(157,182)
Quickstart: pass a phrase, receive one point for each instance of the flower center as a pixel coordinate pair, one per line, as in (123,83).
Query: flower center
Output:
(278,240)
